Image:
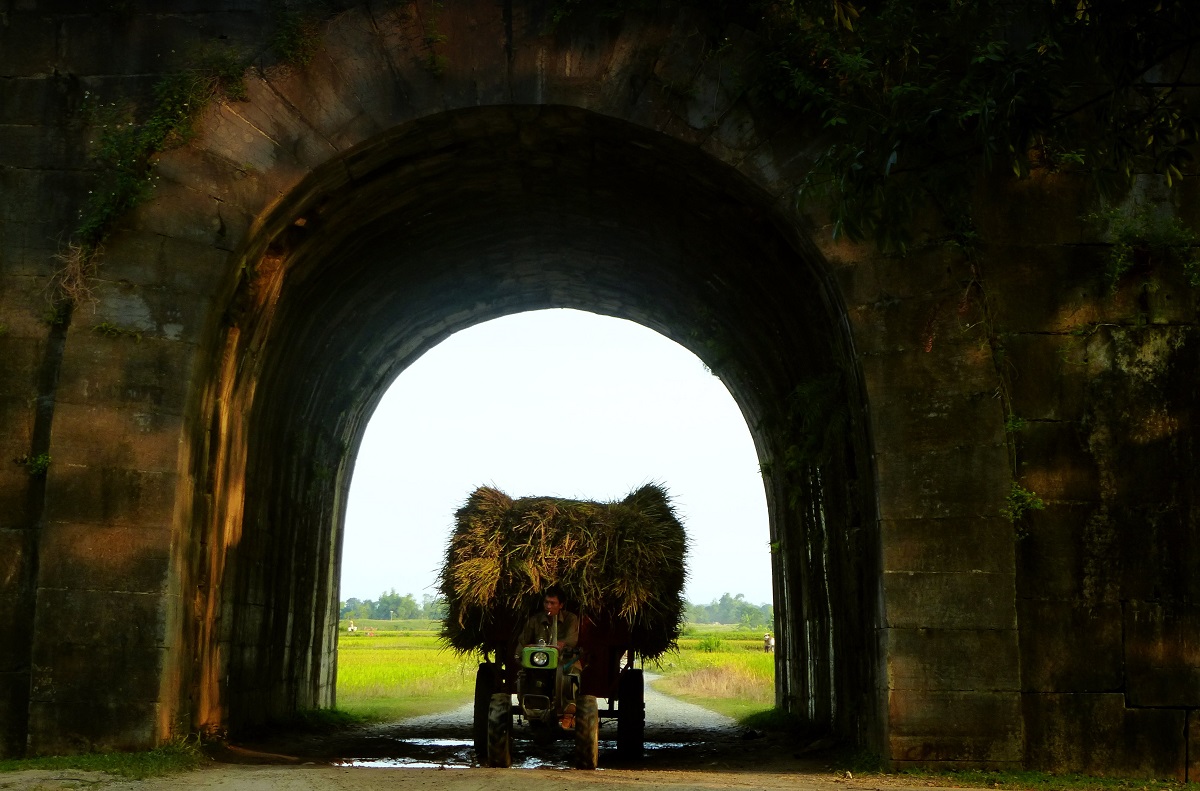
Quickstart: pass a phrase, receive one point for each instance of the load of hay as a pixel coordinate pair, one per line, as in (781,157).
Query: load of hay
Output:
(619,563)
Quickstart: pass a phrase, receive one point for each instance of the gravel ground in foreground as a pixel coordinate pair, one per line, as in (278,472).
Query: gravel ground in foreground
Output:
(688,747)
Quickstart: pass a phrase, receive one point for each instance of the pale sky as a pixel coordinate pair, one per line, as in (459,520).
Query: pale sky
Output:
(556,403)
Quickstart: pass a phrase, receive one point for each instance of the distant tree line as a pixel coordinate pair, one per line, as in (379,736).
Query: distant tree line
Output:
(734,610)
(393,606)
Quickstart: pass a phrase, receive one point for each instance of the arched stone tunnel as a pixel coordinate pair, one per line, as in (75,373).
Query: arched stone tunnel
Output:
(461,218)
(175,569)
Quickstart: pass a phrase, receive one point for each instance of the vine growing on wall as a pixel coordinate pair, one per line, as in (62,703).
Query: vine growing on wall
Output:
(125,139)
(126,136)
(920,99)
(964,241)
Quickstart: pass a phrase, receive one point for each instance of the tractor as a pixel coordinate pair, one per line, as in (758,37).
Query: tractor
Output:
(541,681)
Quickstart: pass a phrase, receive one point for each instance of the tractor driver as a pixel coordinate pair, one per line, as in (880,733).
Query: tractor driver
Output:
(540,627)
(540,624)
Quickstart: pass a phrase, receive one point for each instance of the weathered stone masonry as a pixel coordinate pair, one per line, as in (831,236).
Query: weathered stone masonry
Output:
(176,567)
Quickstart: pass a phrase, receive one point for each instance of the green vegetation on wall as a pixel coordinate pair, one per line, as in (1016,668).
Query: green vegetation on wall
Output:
(1021,501)
(125,139)
(126,134)
(296,39)
(35,465)
(925,101)
(435,61)
(111,330)
(922,99)
(1144,237)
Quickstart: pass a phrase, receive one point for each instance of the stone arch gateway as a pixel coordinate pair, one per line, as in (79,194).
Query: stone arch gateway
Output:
(175,566)
(463,217)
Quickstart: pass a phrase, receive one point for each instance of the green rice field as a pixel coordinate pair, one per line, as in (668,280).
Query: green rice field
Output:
(722,670)
(389,670)
(400,673)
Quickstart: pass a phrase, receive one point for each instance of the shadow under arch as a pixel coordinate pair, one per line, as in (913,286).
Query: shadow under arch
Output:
(470,215)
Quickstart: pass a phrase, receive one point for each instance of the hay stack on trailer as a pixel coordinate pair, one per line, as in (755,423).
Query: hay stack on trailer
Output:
(621,563)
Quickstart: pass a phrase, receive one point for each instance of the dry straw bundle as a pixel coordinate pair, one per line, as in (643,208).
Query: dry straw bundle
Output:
(620,563)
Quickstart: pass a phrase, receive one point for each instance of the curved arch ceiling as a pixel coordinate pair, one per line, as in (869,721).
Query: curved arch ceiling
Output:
(475,214)
(563,209)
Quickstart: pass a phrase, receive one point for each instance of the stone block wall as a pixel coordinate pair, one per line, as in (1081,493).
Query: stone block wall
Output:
(1104,384)
(89,585)
(617,168)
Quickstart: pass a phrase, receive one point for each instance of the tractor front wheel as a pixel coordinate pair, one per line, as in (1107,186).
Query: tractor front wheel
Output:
(499,730)
(587,732)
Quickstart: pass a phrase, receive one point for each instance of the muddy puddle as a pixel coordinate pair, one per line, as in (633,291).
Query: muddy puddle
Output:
(447,753)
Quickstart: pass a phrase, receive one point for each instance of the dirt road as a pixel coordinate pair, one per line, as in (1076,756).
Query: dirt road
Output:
(311,777)
(686,748)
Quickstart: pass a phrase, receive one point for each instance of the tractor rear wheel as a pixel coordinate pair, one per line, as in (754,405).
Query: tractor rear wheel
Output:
(499,730)
(587,732)
(485,677)
(631,714)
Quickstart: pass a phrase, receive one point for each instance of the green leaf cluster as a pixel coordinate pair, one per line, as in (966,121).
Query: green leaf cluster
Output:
(924,97)
(36,466)
(111,330)
(126,141)
(1148,235)
(57,314)
(1021,501)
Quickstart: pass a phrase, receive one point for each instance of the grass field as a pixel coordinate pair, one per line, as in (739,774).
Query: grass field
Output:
(419,626)
(722,669)
(178,756)
(400,673)
(403,671)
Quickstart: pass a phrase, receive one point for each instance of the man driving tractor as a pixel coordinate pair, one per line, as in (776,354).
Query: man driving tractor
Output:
(553,625)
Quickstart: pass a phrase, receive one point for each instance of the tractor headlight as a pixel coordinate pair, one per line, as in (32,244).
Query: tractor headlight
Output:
(539,657)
